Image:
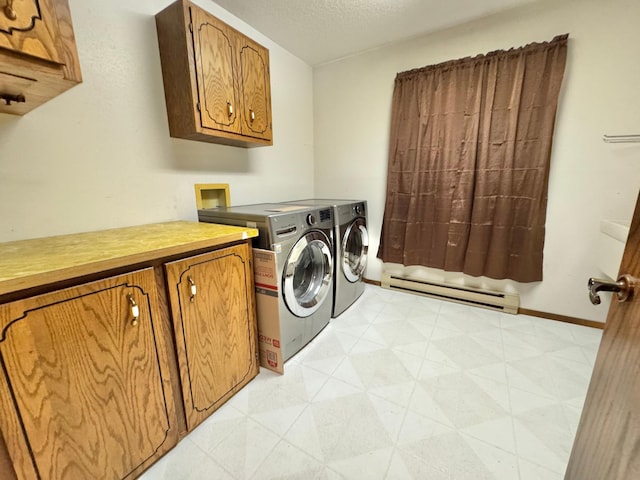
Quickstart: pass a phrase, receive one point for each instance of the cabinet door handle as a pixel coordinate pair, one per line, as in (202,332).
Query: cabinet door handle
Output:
(192,289)
(9,12)
(252,115)
(135,310)
(8,98)
(229,109)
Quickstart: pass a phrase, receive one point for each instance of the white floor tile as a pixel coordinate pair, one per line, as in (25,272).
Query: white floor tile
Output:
(497,433)
(397,468)
(287,461)
(423,404)
(418,349)
(446,456)
(304,435)
(532,471)
(461,400)
(403,387)
(380,368)
(336,388)
(245,448)
(465,352)
(503,465)
(299,375)
(534,450)
(279,420)
(186,462)
(348,374)
(371,465)
(399,393)
(349,426)
(390,414)
(415,427)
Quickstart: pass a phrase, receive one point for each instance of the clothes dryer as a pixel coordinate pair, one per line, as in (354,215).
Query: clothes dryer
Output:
(301,238)
(351,246)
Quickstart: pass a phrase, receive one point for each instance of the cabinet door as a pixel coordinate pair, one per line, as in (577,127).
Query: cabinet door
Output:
(255,87)
(30,27)
(84,392)
(212,301)
(213,45)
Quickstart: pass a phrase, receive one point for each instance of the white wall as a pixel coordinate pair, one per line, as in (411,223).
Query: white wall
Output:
(100,156)
(590,180)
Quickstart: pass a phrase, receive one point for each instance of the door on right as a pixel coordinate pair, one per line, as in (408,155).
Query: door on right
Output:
(607,444)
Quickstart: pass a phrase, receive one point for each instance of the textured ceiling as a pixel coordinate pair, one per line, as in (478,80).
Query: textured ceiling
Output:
(319,31)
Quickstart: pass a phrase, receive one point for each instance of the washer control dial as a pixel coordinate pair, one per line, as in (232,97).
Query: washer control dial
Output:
(311,219)
(358,209)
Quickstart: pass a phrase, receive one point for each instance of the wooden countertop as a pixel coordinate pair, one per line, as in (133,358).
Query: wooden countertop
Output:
(32,263)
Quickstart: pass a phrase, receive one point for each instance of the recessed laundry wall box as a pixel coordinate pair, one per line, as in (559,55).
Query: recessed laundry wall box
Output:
(216,80)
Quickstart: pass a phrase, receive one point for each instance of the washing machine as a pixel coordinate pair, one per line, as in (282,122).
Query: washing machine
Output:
(301,239)
(351,245)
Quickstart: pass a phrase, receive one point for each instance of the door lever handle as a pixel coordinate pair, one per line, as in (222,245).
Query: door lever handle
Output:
(623,288)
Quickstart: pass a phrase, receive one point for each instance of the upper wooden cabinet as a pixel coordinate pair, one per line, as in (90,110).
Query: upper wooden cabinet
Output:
(216,80)
(38,55)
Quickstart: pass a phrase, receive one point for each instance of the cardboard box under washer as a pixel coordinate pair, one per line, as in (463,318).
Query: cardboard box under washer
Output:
(269,337)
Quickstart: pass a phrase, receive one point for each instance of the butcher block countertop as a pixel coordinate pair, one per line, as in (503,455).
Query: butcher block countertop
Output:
(36,262)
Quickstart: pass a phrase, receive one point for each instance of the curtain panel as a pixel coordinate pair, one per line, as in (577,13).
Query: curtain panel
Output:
(469,158)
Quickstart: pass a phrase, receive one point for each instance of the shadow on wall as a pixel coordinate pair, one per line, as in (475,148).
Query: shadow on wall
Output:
(189,155)
(9,123)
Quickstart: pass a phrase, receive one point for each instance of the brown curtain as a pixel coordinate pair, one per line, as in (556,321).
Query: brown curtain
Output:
(469,162)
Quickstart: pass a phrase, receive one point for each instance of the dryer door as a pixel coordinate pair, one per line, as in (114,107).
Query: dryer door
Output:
(307,274)
(355,246)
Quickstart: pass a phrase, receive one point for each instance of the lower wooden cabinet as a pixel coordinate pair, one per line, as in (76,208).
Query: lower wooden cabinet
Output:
(102,372)
(84,385)
(212,304)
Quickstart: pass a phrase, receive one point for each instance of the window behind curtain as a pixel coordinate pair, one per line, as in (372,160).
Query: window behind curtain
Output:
(469,162)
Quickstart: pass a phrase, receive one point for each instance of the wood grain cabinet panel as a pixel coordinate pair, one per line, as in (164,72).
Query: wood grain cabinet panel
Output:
(30,27)
(216,80)
(212,303)
(256,91)
(84,390)
(38,55)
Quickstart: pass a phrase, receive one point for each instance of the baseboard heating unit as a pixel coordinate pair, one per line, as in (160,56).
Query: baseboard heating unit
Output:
(503,302)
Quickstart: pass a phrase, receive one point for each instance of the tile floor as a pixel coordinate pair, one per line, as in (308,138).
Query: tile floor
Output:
(404,387)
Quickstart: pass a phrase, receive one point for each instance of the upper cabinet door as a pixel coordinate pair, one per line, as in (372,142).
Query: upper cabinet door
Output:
(38,54)
(215,69)
(84,390)
(256,91)
(29,27)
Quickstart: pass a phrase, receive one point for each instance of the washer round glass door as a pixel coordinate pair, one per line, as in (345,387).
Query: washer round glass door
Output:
(307,274)
(355,246)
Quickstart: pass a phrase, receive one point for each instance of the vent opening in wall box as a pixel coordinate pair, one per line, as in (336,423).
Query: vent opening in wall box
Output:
(212,195)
